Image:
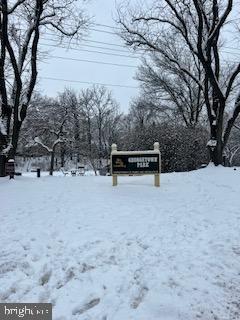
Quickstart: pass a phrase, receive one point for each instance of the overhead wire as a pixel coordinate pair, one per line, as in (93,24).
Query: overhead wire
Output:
(98,52)
(89,82)
(112,48)
(92,61)
(90,51)
(67,45)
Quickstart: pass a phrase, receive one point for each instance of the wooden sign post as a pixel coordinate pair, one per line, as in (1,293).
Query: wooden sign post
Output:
(157,176)
(114,176)
(136,163)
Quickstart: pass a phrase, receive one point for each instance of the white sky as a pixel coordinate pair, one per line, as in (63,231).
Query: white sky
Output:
(103,11)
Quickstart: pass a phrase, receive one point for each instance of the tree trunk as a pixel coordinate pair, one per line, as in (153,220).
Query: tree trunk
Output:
(216,125)
(100,145)
(62,157)
(216,154)
(15,138)
(2,157)
(2,165)
(52,163)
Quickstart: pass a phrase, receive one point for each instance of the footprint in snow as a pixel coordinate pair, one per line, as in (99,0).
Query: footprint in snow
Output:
(8,266)
(85,307)
(139,297)
(44,279)
(236,250)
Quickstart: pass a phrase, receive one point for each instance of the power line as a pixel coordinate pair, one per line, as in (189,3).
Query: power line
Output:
(107,26)
(116,45)
(91,41)
(99,30)
(102,31)
(115,50)
(231,48)
(110,54)
(86,45)
(106,43)
(231,61)
(102,62)
(87,40)
(232,53)
(124,51)
(91,83)
(92,51)
(93,61)
(113,44)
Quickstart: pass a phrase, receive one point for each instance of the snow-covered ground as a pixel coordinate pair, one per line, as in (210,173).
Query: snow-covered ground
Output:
(133,252)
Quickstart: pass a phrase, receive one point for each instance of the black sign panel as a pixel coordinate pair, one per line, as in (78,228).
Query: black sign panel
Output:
(145,163)
(10,168)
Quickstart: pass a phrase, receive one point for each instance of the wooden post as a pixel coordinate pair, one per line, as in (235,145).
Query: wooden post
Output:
(114,180)
(114,176)
(157,176)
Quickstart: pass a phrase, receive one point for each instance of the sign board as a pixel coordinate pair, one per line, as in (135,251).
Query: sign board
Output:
(136,163)
(131,164)
(10,168)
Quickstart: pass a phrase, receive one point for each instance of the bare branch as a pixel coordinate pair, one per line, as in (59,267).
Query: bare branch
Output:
(231,81)
(231,121)
(221,22)
(61,29)
(14,7)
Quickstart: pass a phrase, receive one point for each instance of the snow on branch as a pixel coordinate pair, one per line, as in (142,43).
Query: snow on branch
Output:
(212,143)
(55,143)
(59,140)
(7,149)
(38,141)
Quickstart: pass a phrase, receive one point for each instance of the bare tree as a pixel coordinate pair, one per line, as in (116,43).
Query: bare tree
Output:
(49,127)
(86,105)
(103,108)
(51,149)
(231,152)
(22,23)
(198,25)
(232,149)
(174,90)
(70,100)
(99,118)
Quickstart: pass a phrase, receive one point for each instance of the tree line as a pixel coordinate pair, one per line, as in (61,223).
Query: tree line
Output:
(190,96)
(83,126)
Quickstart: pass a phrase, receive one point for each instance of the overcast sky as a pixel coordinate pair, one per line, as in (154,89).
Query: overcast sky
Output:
(103,11)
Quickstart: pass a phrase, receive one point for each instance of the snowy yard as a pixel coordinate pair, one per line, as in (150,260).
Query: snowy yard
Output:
(133,252)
